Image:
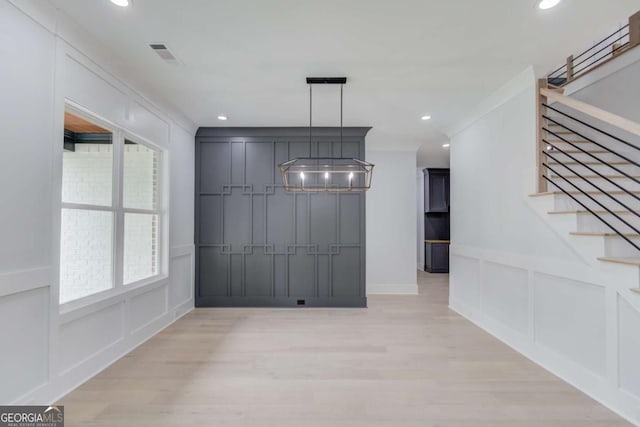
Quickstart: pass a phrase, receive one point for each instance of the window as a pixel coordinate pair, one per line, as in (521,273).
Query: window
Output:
(110,219)
(140,200)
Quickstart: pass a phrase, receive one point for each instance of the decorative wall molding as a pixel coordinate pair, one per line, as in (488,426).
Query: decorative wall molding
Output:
(257,244)
(179,254)
(74,312)
(181,251)
(24,280)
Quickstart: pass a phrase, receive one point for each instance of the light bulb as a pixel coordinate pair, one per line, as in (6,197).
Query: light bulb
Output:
(350,176)
(302,176)
(547,4)
(326,175)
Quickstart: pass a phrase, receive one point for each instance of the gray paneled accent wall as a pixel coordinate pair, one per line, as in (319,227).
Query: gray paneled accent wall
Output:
(257,245)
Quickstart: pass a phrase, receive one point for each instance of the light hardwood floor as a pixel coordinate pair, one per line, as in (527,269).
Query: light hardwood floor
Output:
(404,361)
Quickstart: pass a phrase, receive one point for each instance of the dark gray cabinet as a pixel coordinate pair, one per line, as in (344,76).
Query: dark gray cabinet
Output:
(436,220)
(436,258)
(436,190)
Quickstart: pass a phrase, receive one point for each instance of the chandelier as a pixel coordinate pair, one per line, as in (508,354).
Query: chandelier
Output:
(325,174)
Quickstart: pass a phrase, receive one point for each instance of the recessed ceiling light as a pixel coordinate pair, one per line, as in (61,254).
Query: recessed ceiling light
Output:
(547,4)
(121,3)
(222,117)
(427,117)
(445,145)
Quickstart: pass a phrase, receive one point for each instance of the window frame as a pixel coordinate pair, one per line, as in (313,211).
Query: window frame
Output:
(119,135)
(122,211)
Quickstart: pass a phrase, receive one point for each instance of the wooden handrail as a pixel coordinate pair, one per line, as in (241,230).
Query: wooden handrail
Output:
(634,29)
(595,112)
(618,47)
(542,183)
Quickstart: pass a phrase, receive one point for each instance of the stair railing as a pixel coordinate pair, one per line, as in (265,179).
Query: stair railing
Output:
(551,113)
(622,40)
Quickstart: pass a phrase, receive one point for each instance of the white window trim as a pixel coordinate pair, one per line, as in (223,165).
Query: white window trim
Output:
(122,210)
(119,134)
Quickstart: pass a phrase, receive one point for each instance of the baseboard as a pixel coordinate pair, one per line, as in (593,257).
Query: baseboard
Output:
(390,289)
(284,302)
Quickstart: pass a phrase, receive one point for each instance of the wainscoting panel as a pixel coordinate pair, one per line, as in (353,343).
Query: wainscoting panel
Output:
(570,318)
(181,278)
(79,346)
(24,332)
(629,347)
(257,245)
(505,295)
(147,307)
(465,281)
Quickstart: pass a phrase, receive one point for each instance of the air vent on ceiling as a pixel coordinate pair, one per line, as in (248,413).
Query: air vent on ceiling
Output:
(163,52)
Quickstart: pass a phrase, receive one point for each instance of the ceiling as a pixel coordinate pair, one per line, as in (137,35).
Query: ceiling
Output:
(247,59)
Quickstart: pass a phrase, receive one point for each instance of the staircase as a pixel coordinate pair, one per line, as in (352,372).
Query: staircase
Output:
(589,179)
(589,164)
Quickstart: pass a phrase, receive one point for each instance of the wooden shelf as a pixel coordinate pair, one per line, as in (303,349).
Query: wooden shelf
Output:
(437,241)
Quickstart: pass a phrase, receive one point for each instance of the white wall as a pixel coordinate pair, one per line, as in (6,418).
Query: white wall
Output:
(52,352)
(391,223)
(614,87)
(512,275)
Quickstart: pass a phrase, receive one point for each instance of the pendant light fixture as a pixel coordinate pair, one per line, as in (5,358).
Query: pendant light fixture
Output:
(325,174)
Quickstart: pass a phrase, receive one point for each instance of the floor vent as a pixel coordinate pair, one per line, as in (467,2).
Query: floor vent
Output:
(301,302)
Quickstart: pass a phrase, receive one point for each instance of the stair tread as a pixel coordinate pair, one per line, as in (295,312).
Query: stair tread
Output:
(616,192)
(544,193)
(576,141)
(598,176)
(599,212)
(591,163)
(617,260)
(582,152)
(586,233)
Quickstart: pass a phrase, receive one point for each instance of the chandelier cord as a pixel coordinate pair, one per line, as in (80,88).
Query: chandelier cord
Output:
(310,115)
(341,86)
(311,118)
